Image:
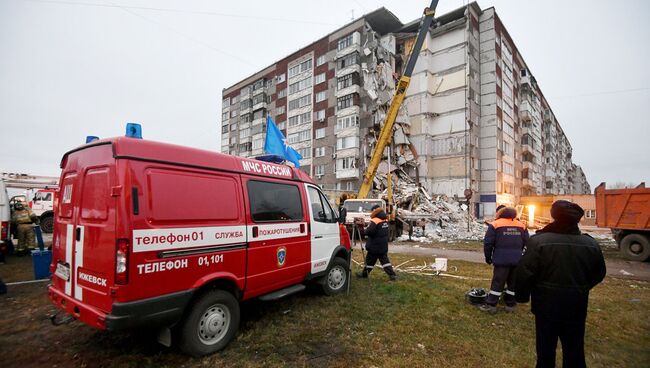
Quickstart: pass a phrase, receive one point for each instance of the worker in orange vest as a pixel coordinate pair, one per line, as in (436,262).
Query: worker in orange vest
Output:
(377,244)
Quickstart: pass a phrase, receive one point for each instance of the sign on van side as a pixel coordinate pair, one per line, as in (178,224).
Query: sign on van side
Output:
(266,169)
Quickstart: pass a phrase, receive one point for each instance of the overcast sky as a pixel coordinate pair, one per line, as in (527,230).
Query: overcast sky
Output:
(69,69)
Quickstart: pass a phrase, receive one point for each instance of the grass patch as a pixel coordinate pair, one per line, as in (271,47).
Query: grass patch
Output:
(418,321)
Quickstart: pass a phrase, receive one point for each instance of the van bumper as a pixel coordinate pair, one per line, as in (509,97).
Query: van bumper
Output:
(83,312)
(162,310)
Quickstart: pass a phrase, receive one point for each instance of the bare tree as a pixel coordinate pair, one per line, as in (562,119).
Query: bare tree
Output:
(622,185)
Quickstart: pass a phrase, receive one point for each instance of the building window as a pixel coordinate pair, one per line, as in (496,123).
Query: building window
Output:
(302,67)
(300,102)
(343,102)
(319,115)
(508,168)
(225,102)
(281,78)
(244,133)
(590,214)
(259,99)
(279,110)
(282,93)
(274,201)
(347,142)
(245,147)
(258,85)
(233,113)
(346,163)
(319,170)
(347,60)
(321,60)
(224,116)
(345,42)
(507,128)
(282,125)
(346,81)
(300,85)
(321,96)
(258,143)
(320,78)
(258,114)
(301,136)
(319,151)
(246,118)
(300,119)
(507,148)
(320,133)
(233,127)
(304,152)
(224,129)
(347,122)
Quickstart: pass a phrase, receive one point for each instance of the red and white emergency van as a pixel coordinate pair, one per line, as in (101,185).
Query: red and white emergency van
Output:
(154,234)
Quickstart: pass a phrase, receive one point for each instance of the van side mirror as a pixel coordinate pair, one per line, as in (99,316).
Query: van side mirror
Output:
(342,215)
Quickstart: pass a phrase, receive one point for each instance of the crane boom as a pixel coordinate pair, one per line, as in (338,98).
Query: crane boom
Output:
(400,93)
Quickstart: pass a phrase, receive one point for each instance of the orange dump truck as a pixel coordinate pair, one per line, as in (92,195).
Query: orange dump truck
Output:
(627,213)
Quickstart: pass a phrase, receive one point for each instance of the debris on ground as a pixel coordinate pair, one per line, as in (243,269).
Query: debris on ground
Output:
(432,218)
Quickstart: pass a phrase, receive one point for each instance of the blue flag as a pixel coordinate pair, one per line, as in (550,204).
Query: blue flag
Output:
(276,144)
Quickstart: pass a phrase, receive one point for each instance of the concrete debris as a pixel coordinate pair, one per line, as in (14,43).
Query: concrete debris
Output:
(436,218)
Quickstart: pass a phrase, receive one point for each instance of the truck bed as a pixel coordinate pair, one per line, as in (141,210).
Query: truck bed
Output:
(623,208)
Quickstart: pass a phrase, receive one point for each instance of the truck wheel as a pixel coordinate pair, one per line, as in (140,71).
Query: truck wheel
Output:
(211,323)
(47,224)
(635,247)
(336,279)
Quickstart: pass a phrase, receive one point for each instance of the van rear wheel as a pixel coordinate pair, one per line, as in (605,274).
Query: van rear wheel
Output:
(337,277)
(211,324)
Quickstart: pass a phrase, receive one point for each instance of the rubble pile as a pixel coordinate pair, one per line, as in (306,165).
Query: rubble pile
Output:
(437,218)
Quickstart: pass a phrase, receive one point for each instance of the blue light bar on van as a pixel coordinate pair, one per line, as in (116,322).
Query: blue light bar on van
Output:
(91,138)
(271,158)
(133,130)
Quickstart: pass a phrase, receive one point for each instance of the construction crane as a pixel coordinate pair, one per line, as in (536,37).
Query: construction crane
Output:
(400,92)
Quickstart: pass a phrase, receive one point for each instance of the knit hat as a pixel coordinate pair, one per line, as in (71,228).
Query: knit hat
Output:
(507,212)
(565,211)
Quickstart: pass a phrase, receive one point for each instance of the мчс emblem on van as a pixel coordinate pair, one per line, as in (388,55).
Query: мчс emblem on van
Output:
(282,256)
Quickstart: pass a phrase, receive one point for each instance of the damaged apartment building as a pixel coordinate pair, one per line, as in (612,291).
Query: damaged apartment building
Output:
(474,116)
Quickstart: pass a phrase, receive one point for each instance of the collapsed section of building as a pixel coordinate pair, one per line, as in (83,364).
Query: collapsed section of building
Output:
(474,117)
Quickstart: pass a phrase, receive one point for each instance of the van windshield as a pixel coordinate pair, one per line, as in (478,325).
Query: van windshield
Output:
(361,206)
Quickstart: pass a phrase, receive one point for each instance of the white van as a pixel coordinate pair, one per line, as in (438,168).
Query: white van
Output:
(5,217)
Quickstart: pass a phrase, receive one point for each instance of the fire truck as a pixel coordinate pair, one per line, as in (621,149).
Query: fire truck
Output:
(155,234)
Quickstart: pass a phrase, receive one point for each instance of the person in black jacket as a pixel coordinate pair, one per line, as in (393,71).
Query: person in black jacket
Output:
(503,245)
(377,244)
(558,269)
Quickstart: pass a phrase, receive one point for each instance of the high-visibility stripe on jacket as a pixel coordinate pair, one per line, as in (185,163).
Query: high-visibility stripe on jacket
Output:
(504,242)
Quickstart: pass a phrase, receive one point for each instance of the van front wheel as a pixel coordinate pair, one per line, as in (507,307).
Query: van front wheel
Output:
(337,278)
(211,323)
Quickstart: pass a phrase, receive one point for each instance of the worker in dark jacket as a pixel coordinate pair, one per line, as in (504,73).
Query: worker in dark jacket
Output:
(377,243)
(558,269)
(504,242)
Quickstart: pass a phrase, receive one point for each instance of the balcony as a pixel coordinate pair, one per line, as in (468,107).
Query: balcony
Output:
(548,116)
(525,111)
(528,165)
(348,90)
(258,91)
(347,173)
(259,105)
(526,148)
(354,68)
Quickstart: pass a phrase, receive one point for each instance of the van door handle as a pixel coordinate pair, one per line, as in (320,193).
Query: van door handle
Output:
(78,234)
(318,236)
